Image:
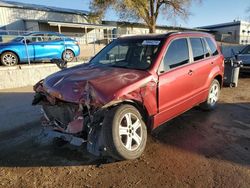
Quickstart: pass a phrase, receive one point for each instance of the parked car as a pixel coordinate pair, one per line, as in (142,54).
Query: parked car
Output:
(135,83)
(244,57)
(40,46)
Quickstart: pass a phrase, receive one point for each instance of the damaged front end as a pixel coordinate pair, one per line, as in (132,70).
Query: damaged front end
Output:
(75,123)
(75,101)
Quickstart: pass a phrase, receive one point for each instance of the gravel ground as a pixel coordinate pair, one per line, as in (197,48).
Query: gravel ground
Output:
(197,149)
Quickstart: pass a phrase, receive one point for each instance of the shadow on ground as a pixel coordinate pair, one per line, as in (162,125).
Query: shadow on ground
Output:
(223,134)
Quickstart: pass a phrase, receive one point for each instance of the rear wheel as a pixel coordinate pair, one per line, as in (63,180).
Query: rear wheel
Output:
(68,55)
(9,59)
(213,96)
(125,133)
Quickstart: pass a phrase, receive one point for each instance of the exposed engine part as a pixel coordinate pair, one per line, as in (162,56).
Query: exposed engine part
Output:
(63,114)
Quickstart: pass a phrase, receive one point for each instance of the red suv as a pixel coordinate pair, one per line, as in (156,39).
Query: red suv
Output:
(135,83)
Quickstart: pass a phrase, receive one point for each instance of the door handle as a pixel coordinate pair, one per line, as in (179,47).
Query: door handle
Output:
(190,72)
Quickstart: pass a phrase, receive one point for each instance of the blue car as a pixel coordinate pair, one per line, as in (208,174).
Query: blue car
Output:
(41,46)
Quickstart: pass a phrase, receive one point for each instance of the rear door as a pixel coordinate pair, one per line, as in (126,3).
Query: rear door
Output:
(175,81)
(202,64)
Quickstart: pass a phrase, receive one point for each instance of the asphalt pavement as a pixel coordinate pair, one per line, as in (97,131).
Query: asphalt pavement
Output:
(16,110)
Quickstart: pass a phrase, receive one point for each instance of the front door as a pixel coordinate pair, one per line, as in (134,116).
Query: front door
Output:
(175,81)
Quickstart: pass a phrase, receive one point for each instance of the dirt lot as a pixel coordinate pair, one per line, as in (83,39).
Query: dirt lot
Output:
(197,149)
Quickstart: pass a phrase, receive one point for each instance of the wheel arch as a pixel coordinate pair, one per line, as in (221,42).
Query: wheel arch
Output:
(219,78)
(12,52)
(139,106)
(18,57)
(68,49)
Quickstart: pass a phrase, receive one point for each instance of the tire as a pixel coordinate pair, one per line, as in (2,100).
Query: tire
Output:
(213,96)
(68,55)
(124,140)
(9,59)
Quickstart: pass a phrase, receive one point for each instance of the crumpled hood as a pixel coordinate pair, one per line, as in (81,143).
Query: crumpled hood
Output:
(94,84)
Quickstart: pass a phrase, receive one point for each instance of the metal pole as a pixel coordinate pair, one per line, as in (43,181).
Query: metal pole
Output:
(59,29)
(94,41)
(26,48)
(64,54)
(86,34)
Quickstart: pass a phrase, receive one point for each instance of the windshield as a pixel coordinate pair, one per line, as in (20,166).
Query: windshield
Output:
(129,53)
(20,38)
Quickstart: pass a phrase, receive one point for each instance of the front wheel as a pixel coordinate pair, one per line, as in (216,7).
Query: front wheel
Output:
(213,96)
(125,133)
(68,55)
(9,59)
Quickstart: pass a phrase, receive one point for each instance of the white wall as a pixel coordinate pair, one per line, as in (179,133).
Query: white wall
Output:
(244,33)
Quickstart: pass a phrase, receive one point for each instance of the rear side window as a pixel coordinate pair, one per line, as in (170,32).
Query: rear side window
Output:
(212,46)
(205,47)
(177,54)
(197,48)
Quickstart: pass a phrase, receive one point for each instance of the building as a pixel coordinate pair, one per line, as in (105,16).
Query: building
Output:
(17,18)
(126,28)
(237,32)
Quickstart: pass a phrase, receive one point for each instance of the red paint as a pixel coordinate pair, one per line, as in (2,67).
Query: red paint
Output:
(164,96)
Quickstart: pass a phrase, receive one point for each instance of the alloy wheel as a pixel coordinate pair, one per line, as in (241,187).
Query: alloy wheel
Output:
(9,59)
(68,56)
(213,94)
(130,131)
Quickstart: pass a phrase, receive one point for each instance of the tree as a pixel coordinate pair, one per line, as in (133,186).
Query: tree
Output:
(144,10)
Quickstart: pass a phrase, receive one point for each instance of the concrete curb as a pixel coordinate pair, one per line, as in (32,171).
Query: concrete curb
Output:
(26,75)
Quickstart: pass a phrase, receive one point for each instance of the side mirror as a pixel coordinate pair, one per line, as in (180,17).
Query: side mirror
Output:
(27,41)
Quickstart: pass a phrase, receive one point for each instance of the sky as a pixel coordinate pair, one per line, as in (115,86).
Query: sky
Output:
(208,12)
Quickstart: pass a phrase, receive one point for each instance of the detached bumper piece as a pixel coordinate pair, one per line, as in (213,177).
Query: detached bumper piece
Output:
(76,141)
